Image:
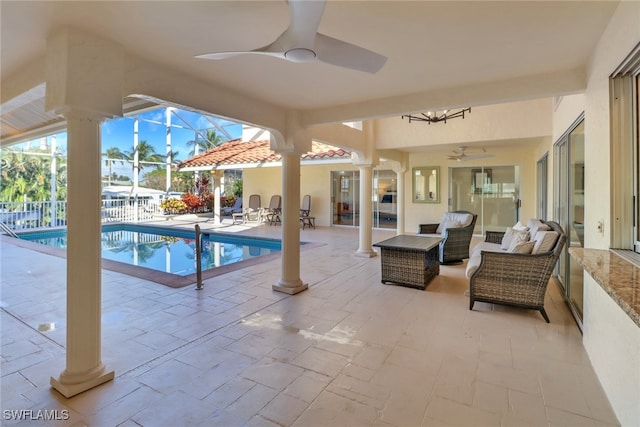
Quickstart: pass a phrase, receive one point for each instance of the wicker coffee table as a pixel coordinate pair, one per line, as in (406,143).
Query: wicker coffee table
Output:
(409,260)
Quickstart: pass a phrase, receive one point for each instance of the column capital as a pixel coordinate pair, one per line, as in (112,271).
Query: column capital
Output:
(79,113)
(84,72)
(294,139)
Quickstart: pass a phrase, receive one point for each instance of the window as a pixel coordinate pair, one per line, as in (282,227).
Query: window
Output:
(625,146)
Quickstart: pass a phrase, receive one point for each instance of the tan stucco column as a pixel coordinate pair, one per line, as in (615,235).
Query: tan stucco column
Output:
(84,368)
(84,82)
(290,281)
(366,212)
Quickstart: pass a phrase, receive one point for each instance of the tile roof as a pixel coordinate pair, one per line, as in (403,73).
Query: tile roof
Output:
(258,152)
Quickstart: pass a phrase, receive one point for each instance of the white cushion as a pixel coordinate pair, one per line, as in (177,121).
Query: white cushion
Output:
(506,238)
(472,265)
(545,240)
(520,227)
(536,225)
(523,247)
(518,237)
(487,247)
(512,237)
(463,218)
(449,224)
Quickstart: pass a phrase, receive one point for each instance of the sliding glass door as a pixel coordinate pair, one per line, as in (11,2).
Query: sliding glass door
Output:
(491,192)
(345,198)
(569,207)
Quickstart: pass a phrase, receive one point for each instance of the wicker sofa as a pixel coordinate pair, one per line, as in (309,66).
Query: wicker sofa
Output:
(499,276)
(456,230)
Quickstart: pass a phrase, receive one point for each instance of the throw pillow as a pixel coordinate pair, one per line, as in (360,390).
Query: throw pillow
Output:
(506,238)
(518,237)
(512,237)
(545,240)
(523,247)
(520,227)
(536,225)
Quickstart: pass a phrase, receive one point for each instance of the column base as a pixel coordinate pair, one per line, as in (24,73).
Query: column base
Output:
(290,289)
(366,254)
(69,389)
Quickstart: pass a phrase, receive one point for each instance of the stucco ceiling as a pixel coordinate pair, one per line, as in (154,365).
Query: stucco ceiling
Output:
(432,47)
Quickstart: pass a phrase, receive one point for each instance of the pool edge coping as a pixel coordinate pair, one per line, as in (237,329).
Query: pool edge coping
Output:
(156,276)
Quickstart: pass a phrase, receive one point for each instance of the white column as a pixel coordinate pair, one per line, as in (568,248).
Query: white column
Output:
(54,178)
(290,282)
(136,168)
(168,141)
(217,177)
(366,211)
(84,367)
(400,200)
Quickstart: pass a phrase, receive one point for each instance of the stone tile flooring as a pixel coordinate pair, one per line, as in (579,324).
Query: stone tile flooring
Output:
(349,351)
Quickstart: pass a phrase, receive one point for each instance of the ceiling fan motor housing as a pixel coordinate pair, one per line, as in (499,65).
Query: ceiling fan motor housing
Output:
(300,54)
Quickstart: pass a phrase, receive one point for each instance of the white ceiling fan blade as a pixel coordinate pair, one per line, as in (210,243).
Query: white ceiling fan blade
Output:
(337,52)
(225,55)
(304,22)
(475,157)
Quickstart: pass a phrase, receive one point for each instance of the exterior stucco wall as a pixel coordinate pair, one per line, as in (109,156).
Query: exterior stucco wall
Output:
(611,340)
(315,180)
(518,154)
(511,121)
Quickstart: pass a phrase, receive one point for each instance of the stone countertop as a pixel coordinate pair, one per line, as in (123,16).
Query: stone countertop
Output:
(617,276)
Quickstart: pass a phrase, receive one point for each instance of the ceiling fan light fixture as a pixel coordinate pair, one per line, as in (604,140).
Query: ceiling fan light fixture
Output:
(434,117)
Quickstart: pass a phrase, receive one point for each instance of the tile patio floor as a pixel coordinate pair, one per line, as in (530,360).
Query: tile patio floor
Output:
(349,351)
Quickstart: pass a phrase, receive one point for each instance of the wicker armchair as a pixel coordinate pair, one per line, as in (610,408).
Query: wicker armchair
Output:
(455,244)
(518,280)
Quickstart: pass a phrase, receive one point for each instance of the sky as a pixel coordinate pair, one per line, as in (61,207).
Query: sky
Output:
(151,128)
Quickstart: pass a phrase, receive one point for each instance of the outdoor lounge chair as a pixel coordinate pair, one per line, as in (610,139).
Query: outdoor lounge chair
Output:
(305,218)
(272,213)
(456,230)
(237,207)
(252,212)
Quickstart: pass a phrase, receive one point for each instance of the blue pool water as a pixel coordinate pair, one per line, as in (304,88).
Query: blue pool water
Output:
(166,249)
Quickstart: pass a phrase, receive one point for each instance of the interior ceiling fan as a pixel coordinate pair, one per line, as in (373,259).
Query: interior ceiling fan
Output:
(301,42)
(462,156)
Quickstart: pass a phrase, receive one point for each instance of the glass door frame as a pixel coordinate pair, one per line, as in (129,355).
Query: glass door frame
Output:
(568,274)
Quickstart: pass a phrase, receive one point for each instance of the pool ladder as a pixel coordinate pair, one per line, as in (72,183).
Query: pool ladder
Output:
(7,230)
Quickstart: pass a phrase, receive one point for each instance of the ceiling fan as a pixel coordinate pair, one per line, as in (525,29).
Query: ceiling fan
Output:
(461,155)
(302,43)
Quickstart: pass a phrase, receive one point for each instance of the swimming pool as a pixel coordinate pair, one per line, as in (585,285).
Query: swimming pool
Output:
(166,250)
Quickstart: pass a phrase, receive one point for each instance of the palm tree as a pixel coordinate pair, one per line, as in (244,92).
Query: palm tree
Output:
(111,154)
(202,145)
(146,153)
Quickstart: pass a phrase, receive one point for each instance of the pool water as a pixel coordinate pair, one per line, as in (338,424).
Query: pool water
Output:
(165,249)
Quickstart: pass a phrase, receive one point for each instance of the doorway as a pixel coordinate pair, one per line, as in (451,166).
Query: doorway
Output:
(345,198)
(491,192)
(569,190)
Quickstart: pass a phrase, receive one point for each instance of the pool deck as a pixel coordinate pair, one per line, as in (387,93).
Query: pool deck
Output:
(347,351)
